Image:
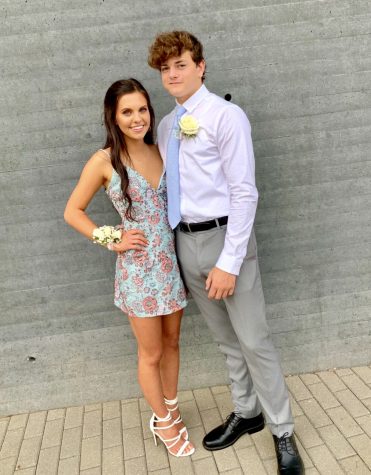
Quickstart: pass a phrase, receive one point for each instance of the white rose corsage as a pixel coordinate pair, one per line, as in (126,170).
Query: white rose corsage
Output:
(189,126)
(106,235)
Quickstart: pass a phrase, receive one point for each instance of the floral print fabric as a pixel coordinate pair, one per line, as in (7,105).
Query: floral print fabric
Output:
(147,283)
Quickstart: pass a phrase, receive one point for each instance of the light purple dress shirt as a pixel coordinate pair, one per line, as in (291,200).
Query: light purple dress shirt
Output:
(217,171)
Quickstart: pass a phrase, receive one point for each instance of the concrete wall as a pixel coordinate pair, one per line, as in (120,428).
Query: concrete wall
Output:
(301,70)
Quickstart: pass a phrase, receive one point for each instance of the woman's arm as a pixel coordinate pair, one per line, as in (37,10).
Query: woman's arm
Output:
(95,174)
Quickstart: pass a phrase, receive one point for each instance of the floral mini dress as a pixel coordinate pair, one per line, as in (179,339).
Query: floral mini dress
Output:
(147,282)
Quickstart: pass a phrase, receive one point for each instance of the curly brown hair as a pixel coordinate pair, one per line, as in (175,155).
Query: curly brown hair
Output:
(174,43)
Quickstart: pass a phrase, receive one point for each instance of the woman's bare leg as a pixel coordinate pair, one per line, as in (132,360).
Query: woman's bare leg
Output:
(169,365)
(148,333)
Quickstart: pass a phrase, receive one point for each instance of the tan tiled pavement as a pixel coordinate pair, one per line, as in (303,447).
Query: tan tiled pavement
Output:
(332,417)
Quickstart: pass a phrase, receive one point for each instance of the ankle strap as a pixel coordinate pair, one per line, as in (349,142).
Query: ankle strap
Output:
(162,419)
(171,402)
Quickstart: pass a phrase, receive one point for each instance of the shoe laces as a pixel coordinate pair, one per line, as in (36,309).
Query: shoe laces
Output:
(231,420)
(285,443)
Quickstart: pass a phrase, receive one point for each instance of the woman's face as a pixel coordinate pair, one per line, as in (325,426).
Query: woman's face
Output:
(132,115)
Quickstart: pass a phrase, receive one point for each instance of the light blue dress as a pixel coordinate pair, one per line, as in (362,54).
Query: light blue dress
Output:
(148,282)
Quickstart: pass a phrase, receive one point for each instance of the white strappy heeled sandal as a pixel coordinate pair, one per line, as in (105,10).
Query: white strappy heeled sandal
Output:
(169,443)
(174,402)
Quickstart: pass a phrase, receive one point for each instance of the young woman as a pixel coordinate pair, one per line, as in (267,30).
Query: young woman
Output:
(148,287)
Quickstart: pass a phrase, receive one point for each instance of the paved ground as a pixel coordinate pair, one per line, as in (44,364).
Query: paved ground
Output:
(333,428)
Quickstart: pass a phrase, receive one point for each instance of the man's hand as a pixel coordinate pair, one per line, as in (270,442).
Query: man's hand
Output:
(220,284)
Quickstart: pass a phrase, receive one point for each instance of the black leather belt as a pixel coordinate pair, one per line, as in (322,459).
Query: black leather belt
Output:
(204,226)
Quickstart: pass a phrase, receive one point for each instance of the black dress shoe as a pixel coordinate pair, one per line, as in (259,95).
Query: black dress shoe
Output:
(288,458)
(231,430)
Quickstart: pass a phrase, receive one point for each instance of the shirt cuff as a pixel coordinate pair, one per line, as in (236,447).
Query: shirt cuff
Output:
(229,264)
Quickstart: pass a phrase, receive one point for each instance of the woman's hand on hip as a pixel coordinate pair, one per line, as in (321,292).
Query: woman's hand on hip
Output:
(132,239)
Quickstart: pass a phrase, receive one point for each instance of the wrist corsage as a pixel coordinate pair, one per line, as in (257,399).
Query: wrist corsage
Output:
(106,235)
(189,126)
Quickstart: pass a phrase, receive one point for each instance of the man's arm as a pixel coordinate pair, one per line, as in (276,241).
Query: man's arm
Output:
(236,152)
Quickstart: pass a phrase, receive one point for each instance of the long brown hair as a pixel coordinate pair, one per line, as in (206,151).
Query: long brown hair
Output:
(116,139)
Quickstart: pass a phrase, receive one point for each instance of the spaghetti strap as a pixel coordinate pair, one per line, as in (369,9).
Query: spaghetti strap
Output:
(104,151)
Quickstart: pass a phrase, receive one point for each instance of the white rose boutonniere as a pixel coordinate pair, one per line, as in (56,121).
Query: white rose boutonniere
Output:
(106,234)
(189,126)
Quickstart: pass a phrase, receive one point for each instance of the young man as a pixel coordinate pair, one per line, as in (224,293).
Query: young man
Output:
(212,201)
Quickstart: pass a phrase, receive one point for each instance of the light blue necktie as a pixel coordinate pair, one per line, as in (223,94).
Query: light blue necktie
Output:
(172,171)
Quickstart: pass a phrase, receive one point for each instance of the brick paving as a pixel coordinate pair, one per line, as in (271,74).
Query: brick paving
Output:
(332,426)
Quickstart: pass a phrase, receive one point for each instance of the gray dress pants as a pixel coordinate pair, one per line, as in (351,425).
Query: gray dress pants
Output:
(239,327)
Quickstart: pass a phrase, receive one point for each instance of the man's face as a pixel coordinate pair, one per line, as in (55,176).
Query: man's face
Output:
(181,76)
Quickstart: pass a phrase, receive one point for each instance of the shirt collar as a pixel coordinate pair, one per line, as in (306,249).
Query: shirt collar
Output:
(191,103)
